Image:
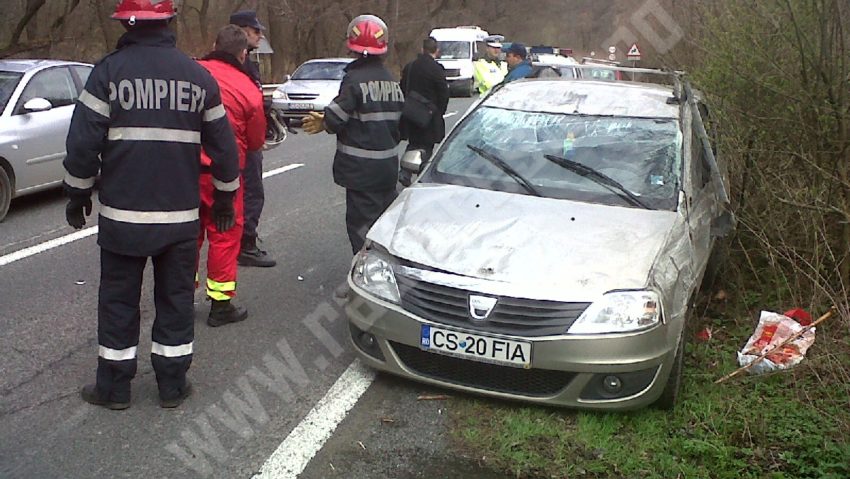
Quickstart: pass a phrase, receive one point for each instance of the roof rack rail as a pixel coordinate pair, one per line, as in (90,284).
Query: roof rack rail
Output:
(653,71)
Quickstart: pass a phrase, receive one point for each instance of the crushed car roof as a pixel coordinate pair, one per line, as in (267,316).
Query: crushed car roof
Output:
(641,100)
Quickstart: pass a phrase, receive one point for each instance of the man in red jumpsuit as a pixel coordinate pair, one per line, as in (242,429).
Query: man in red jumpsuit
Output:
(243,103)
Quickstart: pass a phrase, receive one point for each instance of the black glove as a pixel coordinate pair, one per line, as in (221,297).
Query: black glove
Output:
(74,211)
(223,214)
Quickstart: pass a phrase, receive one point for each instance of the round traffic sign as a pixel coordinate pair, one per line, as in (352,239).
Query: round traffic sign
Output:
(612,49)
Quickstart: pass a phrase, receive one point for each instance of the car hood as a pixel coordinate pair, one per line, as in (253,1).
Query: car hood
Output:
(312,86)
(524,246)
(452,63)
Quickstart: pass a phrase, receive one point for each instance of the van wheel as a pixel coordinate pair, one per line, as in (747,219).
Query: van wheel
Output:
(5,193)
(668,398)
(470,89)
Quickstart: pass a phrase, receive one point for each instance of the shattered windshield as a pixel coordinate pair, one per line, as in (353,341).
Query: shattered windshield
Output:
(642,155)
(455,50)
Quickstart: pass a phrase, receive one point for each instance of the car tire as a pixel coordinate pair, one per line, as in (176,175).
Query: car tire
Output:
(5,193)
(715,265)
(668,398)
(470,89)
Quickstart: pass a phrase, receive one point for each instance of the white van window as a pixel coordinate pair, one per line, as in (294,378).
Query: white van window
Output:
(480,50)
(454,50)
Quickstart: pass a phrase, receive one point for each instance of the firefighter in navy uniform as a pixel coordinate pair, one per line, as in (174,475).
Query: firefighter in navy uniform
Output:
(140,122)
(365,117)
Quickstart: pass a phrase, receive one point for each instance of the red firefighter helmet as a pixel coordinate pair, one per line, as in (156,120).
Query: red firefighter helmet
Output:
(144,10)
(367,35)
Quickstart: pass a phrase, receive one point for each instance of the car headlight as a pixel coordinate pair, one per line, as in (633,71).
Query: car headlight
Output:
(619,312)
(278,95)
(373,272)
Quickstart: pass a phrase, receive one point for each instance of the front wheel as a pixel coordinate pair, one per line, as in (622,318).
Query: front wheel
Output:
(470,88)
(5,193)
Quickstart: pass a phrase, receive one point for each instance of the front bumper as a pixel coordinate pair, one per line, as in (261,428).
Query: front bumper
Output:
(460,84)
(294,110)
(565,370)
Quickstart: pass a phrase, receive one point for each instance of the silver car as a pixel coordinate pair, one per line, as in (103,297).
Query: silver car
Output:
(37,100)
(551,249)
(311,87)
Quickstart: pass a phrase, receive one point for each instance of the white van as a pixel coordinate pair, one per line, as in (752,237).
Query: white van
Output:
(459,46)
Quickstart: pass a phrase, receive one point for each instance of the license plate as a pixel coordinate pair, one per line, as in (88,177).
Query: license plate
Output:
(487,349)
(301,106)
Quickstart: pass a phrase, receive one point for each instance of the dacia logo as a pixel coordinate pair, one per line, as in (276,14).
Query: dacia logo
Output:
(480,307)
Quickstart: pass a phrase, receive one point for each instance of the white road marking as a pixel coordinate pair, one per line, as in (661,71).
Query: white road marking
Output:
(308,437)
(450,114)
(282,169)
(47,245)
(63,240)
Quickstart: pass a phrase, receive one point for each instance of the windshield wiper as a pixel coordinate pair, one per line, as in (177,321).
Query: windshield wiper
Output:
(499,163)
(599,178)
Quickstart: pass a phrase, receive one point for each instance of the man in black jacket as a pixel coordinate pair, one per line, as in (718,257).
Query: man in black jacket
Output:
(428,78)
(364,117)
(250,253)
(140,122)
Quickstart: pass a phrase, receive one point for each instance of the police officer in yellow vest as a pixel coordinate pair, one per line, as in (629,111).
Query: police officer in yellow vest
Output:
(490,70)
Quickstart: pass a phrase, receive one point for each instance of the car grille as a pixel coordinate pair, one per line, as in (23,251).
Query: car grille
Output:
(452,72)
(490,377)
(514,316)
(302,96)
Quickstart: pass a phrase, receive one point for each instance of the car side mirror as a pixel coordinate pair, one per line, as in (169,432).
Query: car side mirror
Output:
(411,161)
(37,104)
(287,78)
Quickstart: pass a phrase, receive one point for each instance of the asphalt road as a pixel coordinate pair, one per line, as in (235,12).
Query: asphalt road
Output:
(254,381)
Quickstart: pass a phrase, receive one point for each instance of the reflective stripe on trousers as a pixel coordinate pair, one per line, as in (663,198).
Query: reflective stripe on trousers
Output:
(221,291)
(119,319)
(223,245)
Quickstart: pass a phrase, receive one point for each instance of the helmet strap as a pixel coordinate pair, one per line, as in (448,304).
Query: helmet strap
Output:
(132,20)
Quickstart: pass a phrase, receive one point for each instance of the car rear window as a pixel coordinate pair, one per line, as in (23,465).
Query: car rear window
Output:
(641,154)
(601,74)
(320,71)
(8,82)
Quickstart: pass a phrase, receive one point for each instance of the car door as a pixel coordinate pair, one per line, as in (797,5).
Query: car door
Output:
(701,197)
(41,134)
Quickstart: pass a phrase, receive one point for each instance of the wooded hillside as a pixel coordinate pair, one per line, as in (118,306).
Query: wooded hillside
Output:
(303,29)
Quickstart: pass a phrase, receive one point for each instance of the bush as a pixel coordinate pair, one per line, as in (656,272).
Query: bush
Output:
(776,72)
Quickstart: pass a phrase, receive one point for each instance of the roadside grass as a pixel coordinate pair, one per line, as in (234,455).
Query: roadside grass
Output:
(779,426)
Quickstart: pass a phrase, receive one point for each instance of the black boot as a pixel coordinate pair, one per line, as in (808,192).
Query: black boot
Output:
(224,312)
(251,255)
(91,395)
(177,400)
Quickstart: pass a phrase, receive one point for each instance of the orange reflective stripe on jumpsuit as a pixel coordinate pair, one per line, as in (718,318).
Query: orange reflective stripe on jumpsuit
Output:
(221,291)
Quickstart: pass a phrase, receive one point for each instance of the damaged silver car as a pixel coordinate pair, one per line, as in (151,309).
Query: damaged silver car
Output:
(551,249)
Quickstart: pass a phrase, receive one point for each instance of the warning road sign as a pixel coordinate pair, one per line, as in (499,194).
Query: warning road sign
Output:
(634,52)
